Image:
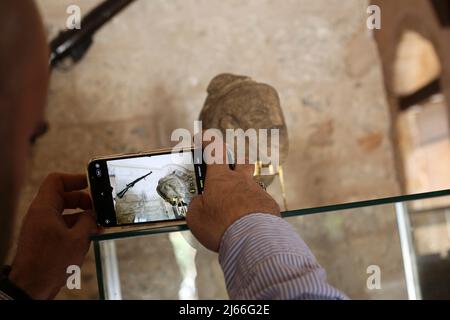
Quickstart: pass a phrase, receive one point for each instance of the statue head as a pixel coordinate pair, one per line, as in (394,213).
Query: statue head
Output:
(238,102)
(177,188)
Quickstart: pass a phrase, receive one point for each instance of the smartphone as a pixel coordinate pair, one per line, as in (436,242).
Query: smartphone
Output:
(145,188)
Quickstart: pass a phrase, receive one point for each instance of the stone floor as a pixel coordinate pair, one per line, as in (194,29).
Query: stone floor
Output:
(146,75)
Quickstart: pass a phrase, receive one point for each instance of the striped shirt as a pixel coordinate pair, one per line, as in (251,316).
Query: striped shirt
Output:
(262,257)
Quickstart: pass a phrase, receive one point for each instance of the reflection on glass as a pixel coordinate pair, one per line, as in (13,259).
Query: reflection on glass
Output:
(389,251)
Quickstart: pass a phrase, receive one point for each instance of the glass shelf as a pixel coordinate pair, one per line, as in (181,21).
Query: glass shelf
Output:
(349,240)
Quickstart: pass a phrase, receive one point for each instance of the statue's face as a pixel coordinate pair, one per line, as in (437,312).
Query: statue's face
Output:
(238,102)
(176,187)
(170,193)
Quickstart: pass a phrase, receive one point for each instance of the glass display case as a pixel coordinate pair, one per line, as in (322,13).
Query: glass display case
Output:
(402,253)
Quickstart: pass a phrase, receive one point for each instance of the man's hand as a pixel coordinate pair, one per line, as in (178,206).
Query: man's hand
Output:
(50,241)
(228,196)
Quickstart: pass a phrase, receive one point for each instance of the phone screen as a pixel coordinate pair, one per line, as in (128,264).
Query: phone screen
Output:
(144,188)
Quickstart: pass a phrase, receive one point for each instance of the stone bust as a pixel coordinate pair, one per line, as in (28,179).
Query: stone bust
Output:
(177,187)
(235,101)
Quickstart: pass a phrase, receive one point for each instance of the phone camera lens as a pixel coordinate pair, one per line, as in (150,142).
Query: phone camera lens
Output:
(98,172)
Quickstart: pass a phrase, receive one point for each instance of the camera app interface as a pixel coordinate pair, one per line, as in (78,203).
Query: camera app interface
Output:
(152,188)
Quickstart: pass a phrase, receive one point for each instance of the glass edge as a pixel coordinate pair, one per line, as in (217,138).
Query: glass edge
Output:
(366,203)
(99,270)
(285,214)
(138,233)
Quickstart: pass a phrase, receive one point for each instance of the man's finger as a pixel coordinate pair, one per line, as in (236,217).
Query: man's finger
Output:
(215,152)
(85,224)
(71,219)
(195,208)
(51,192)
(245,169)
(77,199)
(64,182)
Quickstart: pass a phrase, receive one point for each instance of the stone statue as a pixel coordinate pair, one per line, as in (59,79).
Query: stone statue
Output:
(239,102)
(178,189)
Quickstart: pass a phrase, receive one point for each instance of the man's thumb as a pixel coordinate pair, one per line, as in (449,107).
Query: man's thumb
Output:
(195,209)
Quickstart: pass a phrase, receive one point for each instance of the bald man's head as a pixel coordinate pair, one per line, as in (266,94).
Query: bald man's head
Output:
(23,90)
